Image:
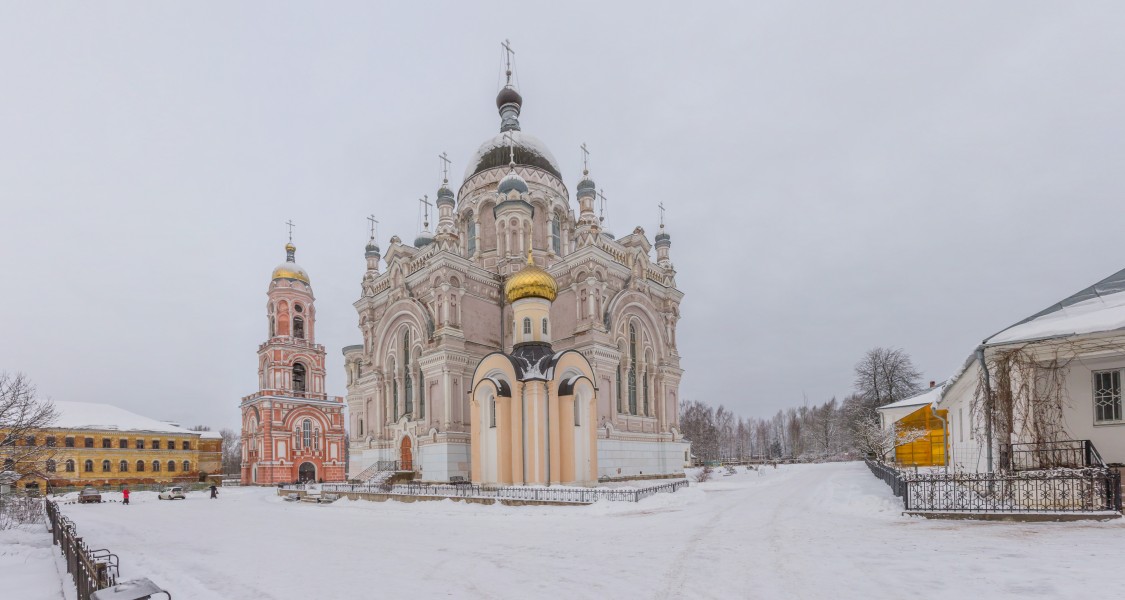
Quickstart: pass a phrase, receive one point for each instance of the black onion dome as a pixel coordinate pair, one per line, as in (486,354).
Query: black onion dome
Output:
(663,237)
(508,95)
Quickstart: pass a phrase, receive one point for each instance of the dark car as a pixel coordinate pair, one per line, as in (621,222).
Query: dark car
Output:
(89,495)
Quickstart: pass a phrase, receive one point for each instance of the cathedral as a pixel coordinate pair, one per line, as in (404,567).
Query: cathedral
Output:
(486,341)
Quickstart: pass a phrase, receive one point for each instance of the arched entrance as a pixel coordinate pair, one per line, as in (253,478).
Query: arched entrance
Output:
(307,473)
(405,457)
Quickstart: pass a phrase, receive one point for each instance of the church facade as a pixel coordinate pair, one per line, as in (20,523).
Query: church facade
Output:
(431,311)
(291,429)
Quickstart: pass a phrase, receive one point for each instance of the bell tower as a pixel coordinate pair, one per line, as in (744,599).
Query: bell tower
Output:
(291,429)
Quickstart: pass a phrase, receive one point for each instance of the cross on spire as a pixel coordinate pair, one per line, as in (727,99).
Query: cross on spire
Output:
(508,54)
(444,167)
(661,205)
(290,224)
(425,200)
(374,225)
(601,197)
(585,160)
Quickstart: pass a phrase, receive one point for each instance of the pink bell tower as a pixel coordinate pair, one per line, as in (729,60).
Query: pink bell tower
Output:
(292,431)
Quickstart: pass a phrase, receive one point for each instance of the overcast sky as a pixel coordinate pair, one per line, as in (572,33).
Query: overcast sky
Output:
(838,175)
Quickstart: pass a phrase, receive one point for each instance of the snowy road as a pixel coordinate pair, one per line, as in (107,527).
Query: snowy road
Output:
(809,531)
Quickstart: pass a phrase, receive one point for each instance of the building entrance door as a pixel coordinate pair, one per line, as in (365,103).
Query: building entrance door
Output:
(406,459)
(307,473)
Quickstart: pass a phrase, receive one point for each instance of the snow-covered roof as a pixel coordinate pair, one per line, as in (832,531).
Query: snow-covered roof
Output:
(1098,308)
(925,397)
(93,415)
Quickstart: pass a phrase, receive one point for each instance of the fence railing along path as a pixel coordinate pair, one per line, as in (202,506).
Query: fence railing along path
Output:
(575,495)
(92,569)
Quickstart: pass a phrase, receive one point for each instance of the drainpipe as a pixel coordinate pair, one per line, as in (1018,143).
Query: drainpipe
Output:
(987,405)
(944,436)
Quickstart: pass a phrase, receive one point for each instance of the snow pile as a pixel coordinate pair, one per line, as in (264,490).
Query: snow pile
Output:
(28,565)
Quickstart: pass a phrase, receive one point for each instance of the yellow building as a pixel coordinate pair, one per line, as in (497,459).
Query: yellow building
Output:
(928,451)
(102,445)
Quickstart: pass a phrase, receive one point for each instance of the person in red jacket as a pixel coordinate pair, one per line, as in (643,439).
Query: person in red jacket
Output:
(125,494)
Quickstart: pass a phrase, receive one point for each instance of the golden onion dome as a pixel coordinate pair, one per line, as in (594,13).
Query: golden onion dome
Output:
(290,269)
(531,282)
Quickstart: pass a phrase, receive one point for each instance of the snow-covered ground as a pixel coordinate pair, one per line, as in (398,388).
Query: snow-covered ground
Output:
(31,568)
(802,531)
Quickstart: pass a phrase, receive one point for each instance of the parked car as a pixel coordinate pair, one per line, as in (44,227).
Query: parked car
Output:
(172,493)
(89,495)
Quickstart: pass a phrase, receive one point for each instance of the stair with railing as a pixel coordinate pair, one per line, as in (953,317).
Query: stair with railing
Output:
(378,473)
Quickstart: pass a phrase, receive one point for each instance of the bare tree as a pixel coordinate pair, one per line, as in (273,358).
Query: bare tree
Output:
(232,451)
(23,415)
(882,376)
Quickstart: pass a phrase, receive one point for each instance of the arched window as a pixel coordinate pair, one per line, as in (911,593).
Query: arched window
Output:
(421,395)
(620,401)
(471,235)
(556,238)
(526,326)
(88,466)
(171,466)
(187,466)
(577,411)
(644,378)
(298,377)
(155,466)
(140,466)
(123,466)
(50,466)
(316,439)
(544,326)
(299,327)
(632,370)
(408,384)
(306,430)
(492,412)
(394,391)
(105,466)
(69,466)
(273,327)
(186,445)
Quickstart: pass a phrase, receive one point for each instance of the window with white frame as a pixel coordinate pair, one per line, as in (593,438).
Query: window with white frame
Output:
(1107,396)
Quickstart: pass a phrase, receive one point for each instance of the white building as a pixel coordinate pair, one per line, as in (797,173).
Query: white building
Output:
(1056,381)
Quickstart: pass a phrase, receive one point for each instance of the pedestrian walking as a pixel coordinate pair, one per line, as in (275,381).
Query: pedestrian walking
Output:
(125,494)
(214,492)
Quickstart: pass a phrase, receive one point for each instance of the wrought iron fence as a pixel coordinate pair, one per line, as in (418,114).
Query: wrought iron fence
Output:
(1060,490)
(1092,489)
(888,474)
(532,493)
(1065,454)
(92,570)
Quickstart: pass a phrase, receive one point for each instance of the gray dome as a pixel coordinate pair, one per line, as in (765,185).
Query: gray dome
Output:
(663,237)
(586,187)
(444,194)
(512,181)
(529,152)
(372,247)
(424,239)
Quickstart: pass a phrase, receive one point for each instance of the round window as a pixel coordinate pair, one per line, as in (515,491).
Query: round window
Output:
(299,308)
